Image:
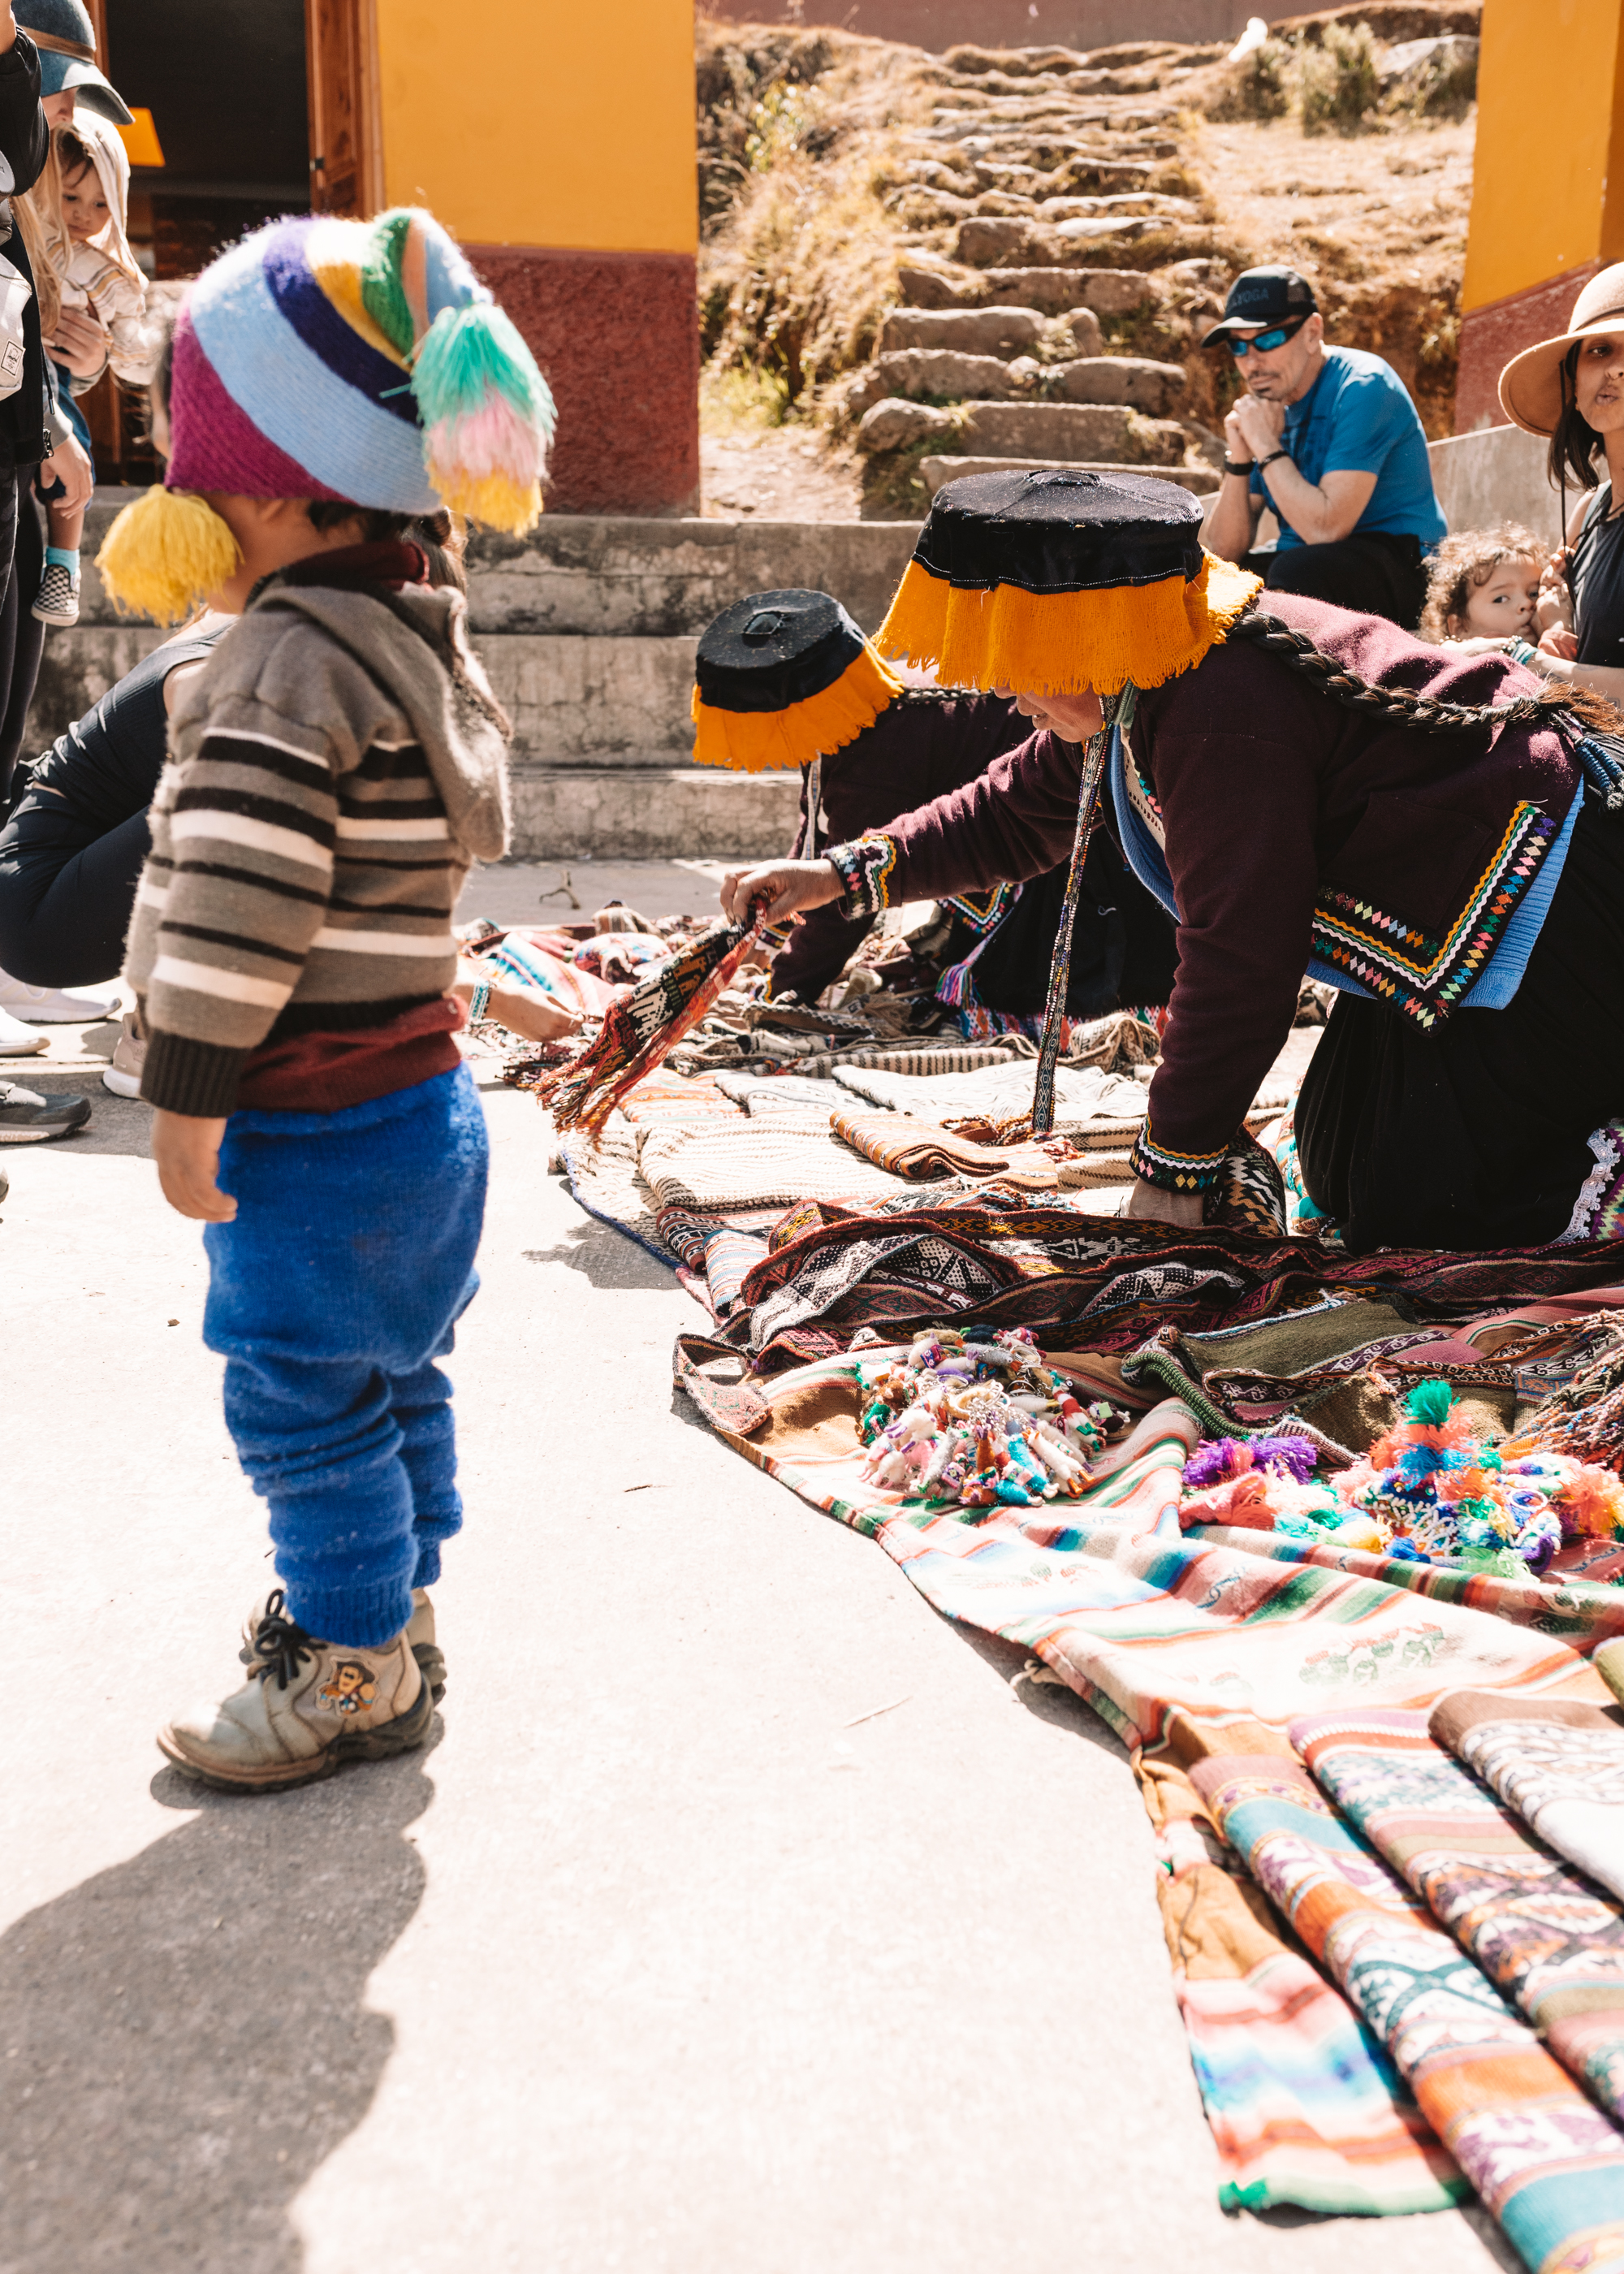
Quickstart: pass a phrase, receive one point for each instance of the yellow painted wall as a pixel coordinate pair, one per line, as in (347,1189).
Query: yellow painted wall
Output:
(543,122)
(1549,93)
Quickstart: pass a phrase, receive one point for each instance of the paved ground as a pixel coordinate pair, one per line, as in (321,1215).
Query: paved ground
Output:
(663,1958)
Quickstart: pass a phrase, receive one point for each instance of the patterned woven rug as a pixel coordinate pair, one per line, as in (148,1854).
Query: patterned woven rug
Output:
(1189,1648)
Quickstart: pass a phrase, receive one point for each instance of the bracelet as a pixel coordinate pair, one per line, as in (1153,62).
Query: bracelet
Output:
(1271,458)
(1520,651)
(1243,467)
(477,1001)
(863,868)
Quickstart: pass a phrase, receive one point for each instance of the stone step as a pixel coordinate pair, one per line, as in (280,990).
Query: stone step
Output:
(677,812)
(586,698)
(1201,481)
(595,574)
(1051,291)
(971,331)
(1076,432)
(945,374)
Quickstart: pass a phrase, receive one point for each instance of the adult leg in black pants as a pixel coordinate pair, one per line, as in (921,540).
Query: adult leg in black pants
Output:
(22,635)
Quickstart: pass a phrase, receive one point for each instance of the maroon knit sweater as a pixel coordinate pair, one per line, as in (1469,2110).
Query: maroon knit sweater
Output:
(1274,798)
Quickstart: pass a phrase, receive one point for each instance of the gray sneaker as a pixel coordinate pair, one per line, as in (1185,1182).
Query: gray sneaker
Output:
(27,1118)
(306,1707)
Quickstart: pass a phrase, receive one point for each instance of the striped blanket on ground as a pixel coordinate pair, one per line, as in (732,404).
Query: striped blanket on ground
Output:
(1547,1938)
(1180,1644)
(1543,2157)
(1561,1768)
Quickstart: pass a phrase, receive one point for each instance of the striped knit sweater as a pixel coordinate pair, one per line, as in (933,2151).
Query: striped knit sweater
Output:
(329,782)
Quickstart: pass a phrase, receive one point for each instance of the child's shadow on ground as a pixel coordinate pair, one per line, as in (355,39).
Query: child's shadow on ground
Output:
(183,2039)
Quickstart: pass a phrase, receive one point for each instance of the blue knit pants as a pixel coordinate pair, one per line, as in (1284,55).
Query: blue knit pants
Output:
(338,1284)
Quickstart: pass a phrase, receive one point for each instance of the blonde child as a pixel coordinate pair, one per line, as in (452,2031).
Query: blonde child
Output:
(73,224)
(1483,585)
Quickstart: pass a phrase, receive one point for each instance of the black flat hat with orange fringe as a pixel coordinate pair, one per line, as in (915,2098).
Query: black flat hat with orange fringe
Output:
(1063,581)
(783,678)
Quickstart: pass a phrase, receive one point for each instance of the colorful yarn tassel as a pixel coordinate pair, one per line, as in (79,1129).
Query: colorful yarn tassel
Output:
(166,554)
(488,416)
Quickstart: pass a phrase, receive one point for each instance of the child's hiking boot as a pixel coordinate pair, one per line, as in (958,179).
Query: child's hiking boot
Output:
(58,601)
(419,1637)
(307,1707)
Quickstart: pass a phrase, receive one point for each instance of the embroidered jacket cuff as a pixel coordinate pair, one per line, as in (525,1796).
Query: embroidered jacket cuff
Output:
(864,868)
(1175,1172)
(180,1076)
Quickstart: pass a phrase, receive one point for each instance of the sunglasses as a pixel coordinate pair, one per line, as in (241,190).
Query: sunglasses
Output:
(1266,343)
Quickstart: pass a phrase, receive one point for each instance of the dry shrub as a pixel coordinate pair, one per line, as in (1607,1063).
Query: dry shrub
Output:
(1337,82)
(800,262)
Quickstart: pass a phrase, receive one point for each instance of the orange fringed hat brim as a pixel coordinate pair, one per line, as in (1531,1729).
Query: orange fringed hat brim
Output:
(760,742)
(1064,642)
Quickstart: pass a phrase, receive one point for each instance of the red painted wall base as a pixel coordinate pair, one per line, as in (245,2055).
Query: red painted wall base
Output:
(1492,334)
(617,334)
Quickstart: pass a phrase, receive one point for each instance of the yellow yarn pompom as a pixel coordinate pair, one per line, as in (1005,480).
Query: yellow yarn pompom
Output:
(165,555)
(494,499)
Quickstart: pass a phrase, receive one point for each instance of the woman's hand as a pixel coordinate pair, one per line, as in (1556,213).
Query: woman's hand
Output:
(785,886)
(1559,642)
(187,1152)
(82,342)
(532,1016)
(1152,1205)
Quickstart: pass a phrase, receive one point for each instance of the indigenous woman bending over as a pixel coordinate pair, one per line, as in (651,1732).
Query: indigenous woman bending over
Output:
(1305,789)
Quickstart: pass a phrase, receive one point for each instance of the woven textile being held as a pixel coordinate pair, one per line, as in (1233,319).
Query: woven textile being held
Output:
(639,1030)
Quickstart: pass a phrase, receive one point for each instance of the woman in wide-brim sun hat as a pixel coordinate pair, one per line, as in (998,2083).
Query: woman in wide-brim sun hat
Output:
(1571,389)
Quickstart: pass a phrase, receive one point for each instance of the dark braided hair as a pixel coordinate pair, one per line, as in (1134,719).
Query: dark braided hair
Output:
(1552,705)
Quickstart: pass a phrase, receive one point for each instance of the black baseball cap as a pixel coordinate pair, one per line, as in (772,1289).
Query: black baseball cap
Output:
(1264,296)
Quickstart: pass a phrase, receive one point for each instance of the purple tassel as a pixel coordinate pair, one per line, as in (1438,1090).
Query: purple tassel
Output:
(1298,1456)
(1215,1463)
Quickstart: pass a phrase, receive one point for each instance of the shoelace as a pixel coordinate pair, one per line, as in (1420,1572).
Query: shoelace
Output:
(281,1645)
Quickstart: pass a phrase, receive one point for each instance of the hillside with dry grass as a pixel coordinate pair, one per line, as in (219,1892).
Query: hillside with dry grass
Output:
(847,183)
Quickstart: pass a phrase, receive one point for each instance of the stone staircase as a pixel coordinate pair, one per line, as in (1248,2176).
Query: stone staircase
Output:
(1003,348)
(588,627)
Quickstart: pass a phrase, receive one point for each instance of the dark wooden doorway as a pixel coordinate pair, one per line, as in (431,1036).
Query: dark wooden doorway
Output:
(346,160)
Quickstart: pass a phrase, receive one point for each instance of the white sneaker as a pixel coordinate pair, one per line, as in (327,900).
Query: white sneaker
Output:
(122,1076)
(16,1040)
(53,1006)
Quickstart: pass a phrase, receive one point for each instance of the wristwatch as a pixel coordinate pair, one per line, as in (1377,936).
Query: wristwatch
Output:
(1237,465)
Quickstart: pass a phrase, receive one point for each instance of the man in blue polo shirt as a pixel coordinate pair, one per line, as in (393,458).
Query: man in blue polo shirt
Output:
(1329,438)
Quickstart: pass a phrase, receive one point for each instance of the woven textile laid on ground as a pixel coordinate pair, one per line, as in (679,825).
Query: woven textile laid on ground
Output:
(1305,2105)
(1192,1648)
(758,1160)
(1542,2157)
(1547,1936)
(1560,1769)
(1083,1282)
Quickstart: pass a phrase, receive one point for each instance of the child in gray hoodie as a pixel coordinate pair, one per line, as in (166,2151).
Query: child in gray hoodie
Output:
(333,770)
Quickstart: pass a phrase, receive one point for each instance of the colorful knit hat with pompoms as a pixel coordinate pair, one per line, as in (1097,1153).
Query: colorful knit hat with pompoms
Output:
(355,360)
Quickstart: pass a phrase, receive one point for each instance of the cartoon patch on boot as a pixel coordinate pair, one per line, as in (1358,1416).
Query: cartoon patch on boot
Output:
(350,1688)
